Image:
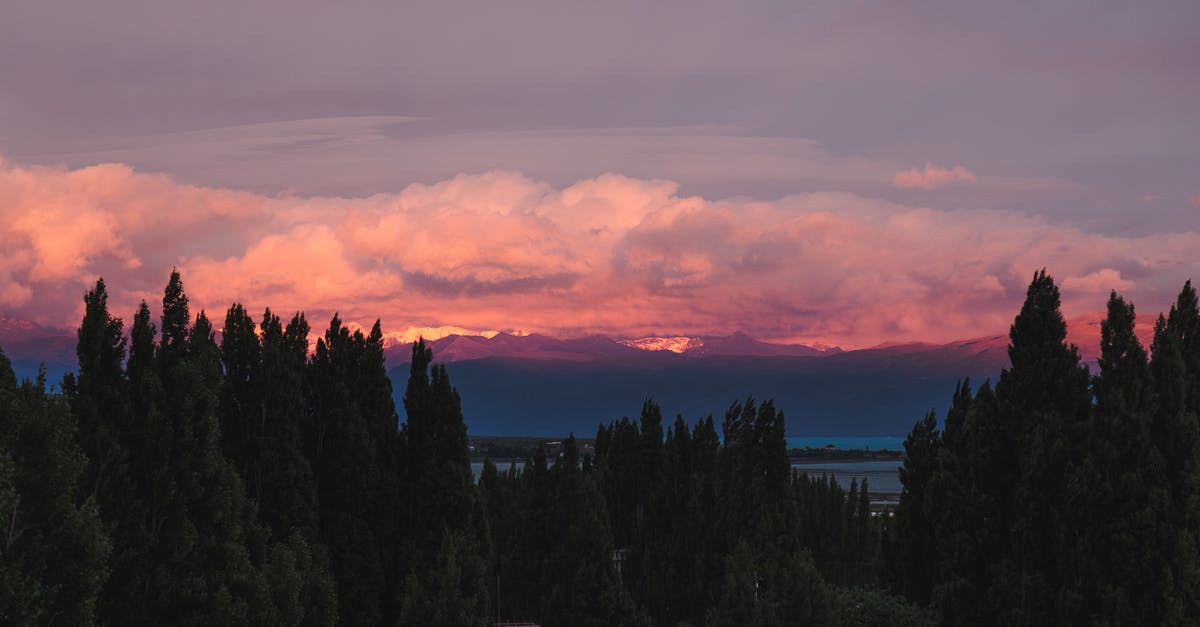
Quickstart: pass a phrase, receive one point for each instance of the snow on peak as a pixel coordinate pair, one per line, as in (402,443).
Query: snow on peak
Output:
(678,344)
(412,334)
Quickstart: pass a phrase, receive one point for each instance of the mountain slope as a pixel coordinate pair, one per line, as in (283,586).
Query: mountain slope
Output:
(873,392)
(28,344)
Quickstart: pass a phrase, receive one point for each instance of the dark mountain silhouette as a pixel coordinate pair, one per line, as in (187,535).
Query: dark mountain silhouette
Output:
(535,385)
(29,344)
(535,347)
(741,344)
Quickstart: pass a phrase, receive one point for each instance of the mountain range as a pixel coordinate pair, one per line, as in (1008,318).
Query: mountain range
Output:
(539,385)
(535,384)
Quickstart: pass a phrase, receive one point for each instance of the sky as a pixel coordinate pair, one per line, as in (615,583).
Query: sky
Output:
(841,172)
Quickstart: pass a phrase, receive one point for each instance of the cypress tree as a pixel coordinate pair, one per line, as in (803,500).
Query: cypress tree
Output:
(243,419)
(98,397)
(439,481)
(1122,514)
(1044,398)
(439,469)
(347,470)
(973,485)
(583,589)
(287,496)
(1176,425)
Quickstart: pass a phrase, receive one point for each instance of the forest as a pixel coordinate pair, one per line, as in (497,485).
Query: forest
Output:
(195,474)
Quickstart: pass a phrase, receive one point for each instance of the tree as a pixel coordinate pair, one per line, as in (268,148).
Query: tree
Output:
(912,532)
(1044,399)
(973,487)
(438,467)
(243,416)
(346,465)
(451,592)
(98,399)
(583,587)
(1176,425)
(1122,516)
(53,547)
(287,492)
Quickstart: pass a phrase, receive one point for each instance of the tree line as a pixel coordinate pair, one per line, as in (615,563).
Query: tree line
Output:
(182,478)
(1059,497)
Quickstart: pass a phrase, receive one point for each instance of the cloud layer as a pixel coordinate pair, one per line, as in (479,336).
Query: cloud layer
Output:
(932,177)
(611,254)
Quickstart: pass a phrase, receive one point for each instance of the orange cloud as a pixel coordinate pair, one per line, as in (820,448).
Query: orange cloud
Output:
(932,177)
(613,255)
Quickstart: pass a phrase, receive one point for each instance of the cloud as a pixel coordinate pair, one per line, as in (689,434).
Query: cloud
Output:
(611,254)
(1195,200)
(932,177)
(1100,281)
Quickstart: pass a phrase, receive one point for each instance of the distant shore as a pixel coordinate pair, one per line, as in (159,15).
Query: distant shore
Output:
(504,449)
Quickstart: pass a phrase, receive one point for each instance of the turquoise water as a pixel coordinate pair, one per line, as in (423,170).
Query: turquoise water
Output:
(874,443)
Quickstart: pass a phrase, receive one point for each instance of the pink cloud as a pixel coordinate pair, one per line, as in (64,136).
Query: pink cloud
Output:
(612,255)
(932,177)
(1195,200)
(1100,281)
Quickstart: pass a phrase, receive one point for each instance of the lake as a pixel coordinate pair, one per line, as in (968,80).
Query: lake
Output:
(882,477)
(874,443)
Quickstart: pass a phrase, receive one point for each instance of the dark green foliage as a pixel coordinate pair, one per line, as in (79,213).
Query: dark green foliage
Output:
(98,396)
(245,484)
(584,588)
(449,592)
(1122,551)
(441,517)
(1175,371)
(53,547)
(347,468)
(1045,399)
(1061,498)
(243,416)
(284,486)
(912,540)
(869,607)
(718,518)
(263,419)
(438,468)
(186,546)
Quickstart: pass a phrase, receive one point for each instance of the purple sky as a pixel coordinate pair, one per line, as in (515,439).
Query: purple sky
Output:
(1078,115)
